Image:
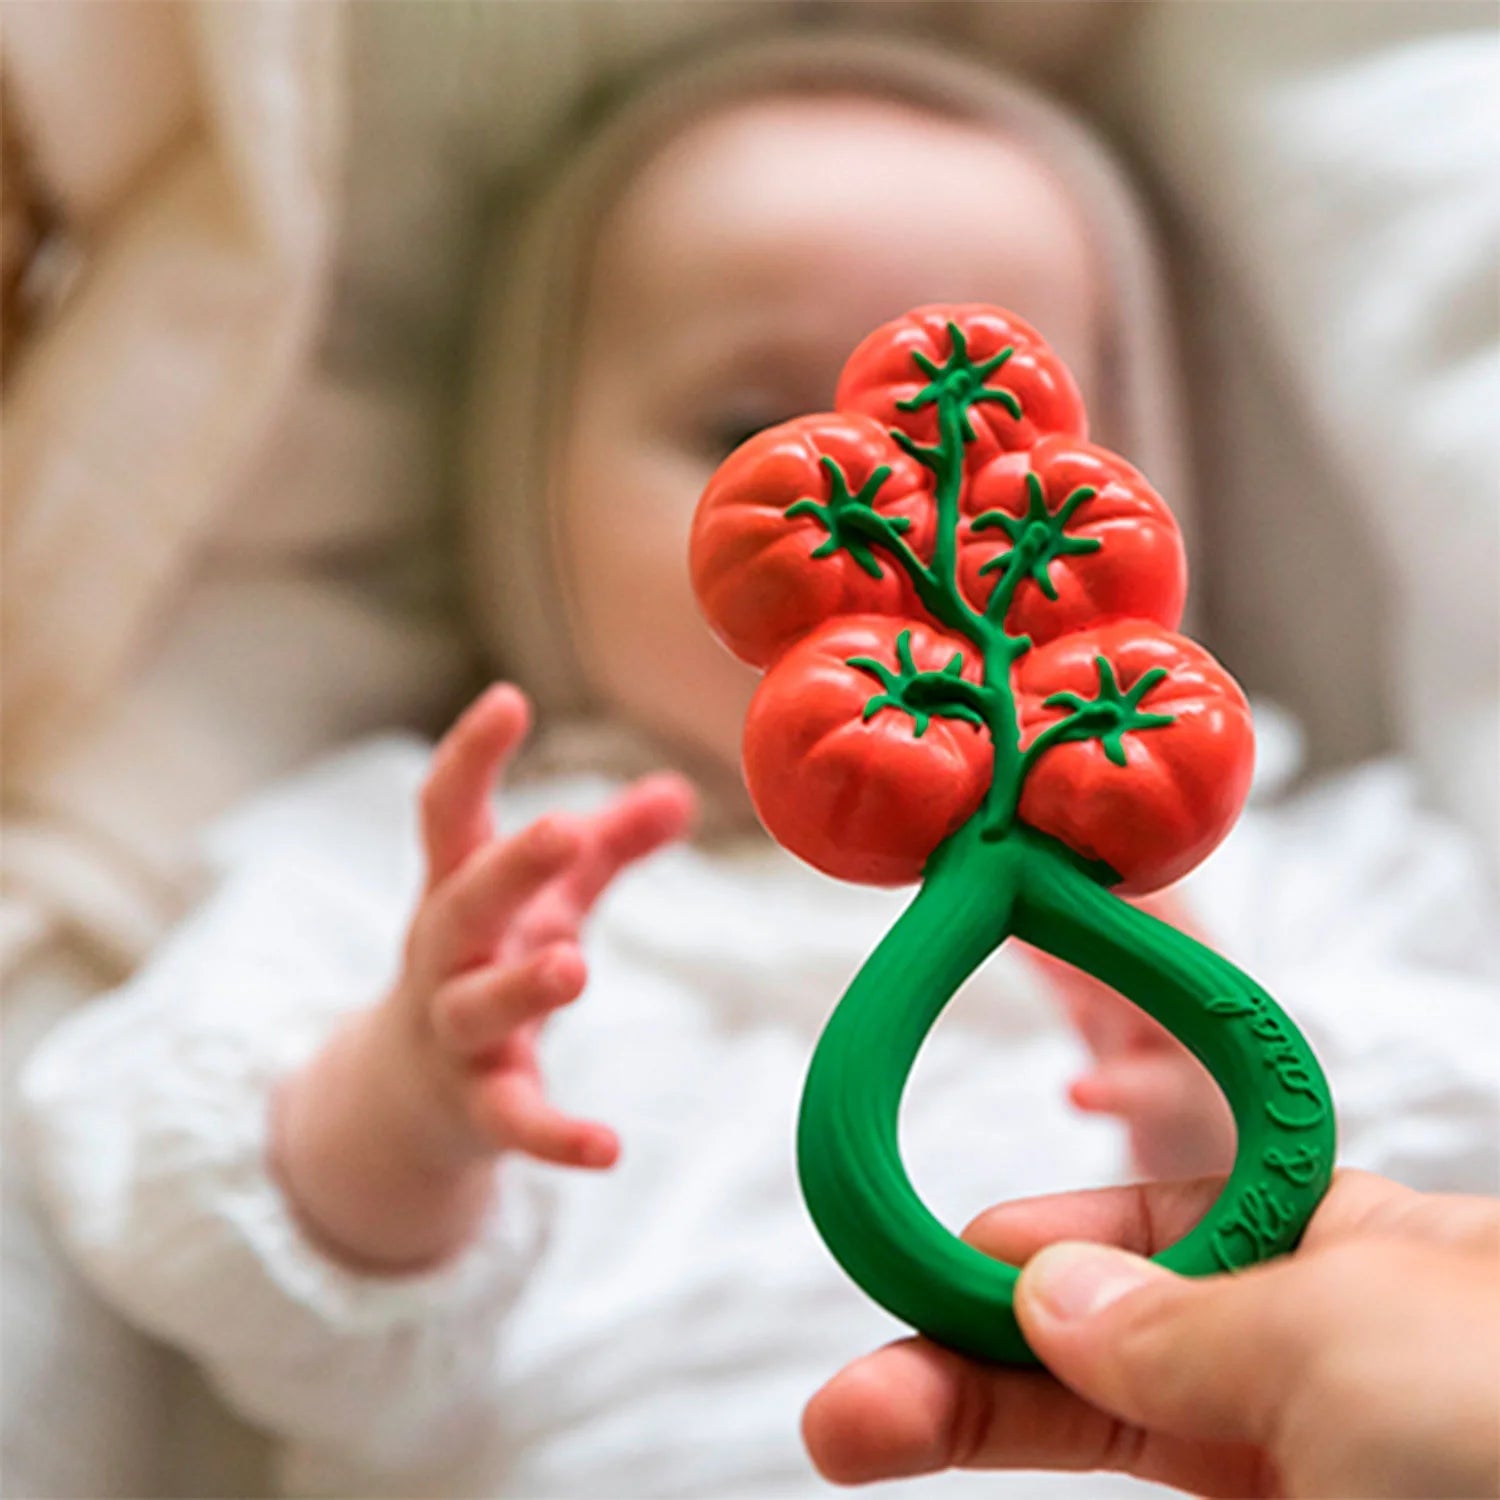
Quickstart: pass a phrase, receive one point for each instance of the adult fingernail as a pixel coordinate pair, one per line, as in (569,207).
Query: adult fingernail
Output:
(1075,1281)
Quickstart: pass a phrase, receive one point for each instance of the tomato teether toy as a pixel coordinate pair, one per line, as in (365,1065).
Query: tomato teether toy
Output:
(965,612)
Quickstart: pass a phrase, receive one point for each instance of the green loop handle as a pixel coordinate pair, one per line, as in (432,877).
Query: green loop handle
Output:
(976,893)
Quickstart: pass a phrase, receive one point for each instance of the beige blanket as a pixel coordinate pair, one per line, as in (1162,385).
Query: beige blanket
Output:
(208,535)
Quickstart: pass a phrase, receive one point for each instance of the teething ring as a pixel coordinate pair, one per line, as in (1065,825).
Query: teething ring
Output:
(966,613)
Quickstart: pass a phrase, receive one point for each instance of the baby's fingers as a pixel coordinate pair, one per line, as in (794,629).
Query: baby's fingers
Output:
(477,1011)
(462,922)
(1107,1023)
(456,796)
(1153,1087)
(1179,1123)
(655,811)
(513,1113)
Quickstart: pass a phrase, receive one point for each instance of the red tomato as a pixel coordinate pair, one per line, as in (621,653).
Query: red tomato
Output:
(1183,784)
(861,799)
(1136,570)
(753,568)
(882,372)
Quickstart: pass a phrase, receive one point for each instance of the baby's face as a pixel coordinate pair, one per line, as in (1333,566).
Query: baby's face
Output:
(734,275)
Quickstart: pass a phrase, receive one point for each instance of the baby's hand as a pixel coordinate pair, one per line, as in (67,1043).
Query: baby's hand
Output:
(385,1142)
(493,947)
(1178,1122)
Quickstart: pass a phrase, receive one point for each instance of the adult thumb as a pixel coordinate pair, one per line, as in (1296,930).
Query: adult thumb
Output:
(1218,1359)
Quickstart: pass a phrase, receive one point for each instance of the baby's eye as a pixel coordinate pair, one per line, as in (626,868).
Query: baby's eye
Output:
(729,437)
(721,435)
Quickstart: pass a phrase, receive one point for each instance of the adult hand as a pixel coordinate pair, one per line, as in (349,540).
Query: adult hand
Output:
(1365,1364)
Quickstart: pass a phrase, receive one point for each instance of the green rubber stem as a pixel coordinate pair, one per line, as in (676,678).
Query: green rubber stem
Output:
(977,892)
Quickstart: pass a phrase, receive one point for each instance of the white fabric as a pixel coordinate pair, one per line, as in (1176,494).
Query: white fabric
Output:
(655,1331)
(1333,170)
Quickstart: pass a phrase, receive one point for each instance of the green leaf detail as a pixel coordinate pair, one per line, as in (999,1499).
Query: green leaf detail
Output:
(1108,718)
(850,518)
(929,457)
(1001,397)
(1038,538)
(922,695)
(904,658)
(960,383)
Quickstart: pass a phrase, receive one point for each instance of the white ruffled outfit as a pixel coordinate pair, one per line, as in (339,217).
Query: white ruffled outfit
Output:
(654,1331)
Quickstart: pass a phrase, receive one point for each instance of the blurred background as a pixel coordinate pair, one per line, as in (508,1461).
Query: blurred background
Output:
(240,248)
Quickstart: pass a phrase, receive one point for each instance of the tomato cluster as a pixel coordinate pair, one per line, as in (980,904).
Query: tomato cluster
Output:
(965,608)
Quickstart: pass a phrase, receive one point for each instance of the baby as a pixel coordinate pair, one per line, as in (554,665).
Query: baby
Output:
(324,1161)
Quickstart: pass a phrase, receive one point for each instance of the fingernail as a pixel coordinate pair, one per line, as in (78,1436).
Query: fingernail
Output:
(1076,1281)
(598,1152)
(557,973)
(549,841)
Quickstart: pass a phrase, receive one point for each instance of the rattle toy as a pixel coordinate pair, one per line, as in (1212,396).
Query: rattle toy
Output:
(965,613)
